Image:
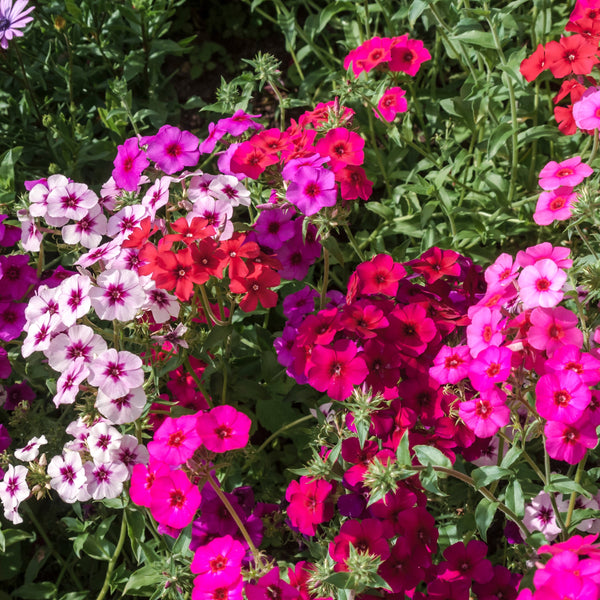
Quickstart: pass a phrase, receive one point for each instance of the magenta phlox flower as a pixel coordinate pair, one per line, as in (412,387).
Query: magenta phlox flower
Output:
(310,503)
(291,167)
(441,589)
(504,584)
(142,479)
(451,364)
(569,173)
(466,561)
(380,275)
(336,369)
(215,133)
(5,366)
(13,18)
(570,441)
(391,103)
(586,110)
(555,205)
(88,230)
(174,499)
(299,304)
(485,415)
(129,164)
(229,592)
(67,385)
(407,55)
(67,476)
(533,254)
(540,516)
(552,328)
(274,227)
(485,329)
(115,373)
(31,450)
(16,276)
(105,479)
(238,123)
(413,329)
(12,320)
(218,563)
(491,366)
(13,490)
(71,201)
(571,358)
(9,234)
(73,296)
(172,149)
(124,409)
(176,440)
(402,571)
(78,341)
(568,587)
(541,284)
(312,189)
(224,428)
(501,272)
(367,536)
(118,295)
(269,586)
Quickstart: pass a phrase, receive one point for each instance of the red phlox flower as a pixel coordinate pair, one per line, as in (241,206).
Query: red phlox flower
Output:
(436,263)
(310,503)
(565,120)
(572,88)
(322,114)
(342,146)
(587,27)
(320,328)
(380,275)
(368,55)
(353,183)
(209,257)
(224,428)
(402,571)
(251,160)
(360,457)
(412,329)
(139,235)
(257,288)
(272,141)
(573,54)
(420,532)
(363,318)
(190,231)
(468,561)
(533,65)
(178,271)
(383,363)
(234,251)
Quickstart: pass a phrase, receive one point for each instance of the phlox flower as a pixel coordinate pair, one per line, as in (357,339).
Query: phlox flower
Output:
(354,183)
(13,18)
(39,334)
(568,173)
(122,223)
(342,146)
(540,516)
(492,365)
(174,500)
(161,304)
(175,440)
(552,328)
(102,440)
(561,396)
(555,206)
(534,254)
(586,111)
(368,55)
(104,252)
(467,561)
(274,227)
(157,195)
(407,55)
(130,453)
(67,385)
(13,490)
(124,409)
(31,236)
(391,103)
(310,503)
(229,189)
(172,149)
(436,263)
(31,450)
(451,364)
(572,54)
(129,164)
(16,276)
(105,479)
(380,275)
(12,320)
(271,585)
(71,201)
(115,373)
(232,591)
(413,328)
(541,284)
(118,294)
(503,584)
(501,272)
(142,479)
(218,563)
(67,476)
(367,535)
(570,441)
(73,296)
(570,358)
(312,189)
(238,123)
(534,64)
(224,428)
(78,341)
(485,415)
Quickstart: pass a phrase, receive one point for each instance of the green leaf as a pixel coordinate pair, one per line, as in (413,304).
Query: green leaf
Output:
(564,485)
(485,475)
(429,480)
(416,9)
(330,11)
(144,577)
(484,515)
(340,580)
(511,457)
(498,138)
(35,591)
(403,452)
(513,497)
(428,455)
(476,38)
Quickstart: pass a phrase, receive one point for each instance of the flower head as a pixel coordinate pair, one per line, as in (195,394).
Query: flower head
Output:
(13,17)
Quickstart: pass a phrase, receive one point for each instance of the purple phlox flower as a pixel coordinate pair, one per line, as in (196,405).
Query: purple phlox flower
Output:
(5,367)
(13,18)
(115,373)
(273,227)
(12,320)
(118,295)
(16,276)
(239,122)
(79,341)
(9,234)
(31,450)
(175,337)
(71,201)
(298,304)
(124,409)
(172,149)
(88,231)
(68,476)
(312,189)
(67,385)
(290,170)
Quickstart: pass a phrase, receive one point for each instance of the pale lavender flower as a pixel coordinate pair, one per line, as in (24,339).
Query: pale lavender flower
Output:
(126,220)
(157,195)
(79,341)
(38,198)
(102,440)
(71,201)
(105,252)
(131,453)
(88,231)
(67,385)
(163,305)
(105,480)
(44,302)
(115,373)
(118,295)
(124,409)
(74,298)
(13,17)
(229,189)
(218,214)
(13,490)
(540,516)
(40,332)
(68,476)
(31,236)
(31,450)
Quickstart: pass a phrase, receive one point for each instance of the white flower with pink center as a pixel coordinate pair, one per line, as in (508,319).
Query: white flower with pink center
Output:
(163,305)
(67,385)
(124,409)
(31,450)
(88,231)
(218,214)
(128,259)
(157,195)
(102,440)
(44,302)
(131,453)
(122,223)
(38,199)
(31,236)
(74,298)
(115,373)
(68,476)
(105,252)
(105,480)
(118,295)
(39,334)
(13,490)
(229,189)
(71,201)
(79,341)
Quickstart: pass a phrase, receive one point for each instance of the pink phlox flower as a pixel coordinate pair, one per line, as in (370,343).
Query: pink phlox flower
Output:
(380,275)
(368,55)
(561,396)
(232,591)
(312,190)
(115,373)
(218,563)
(88,230)
(555,206)
(215,133)
(238,123)
(312,160)
(174,499)
(124,409)
(467,561)
(310,503)
(485,415)
(451,364)
(31,450)
(586,111)
(172,149)
(44,302)
(570,441)
(142,479)
(73,296)
(491,366)
(117,295)
(501,272)
(71,201)
(176,440)
(342,146)
(407,55)
(105,479)
(568,173)
(67,476)
(539,516)
(129,164)
(391,103)
(78,341)
(67,385)
(13,490)
(571,358)
(542,251)
(13,18)
(541,284)
(577,544)
(552,328)
(224,428)
(271,586)
(31,236)
(102,439)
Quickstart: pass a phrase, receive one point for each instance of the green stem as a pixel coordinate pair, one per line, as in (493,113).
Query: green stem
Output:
(573,498)
(594,148)
(114,558)
(325,283)
(353,243)
(26,82)
(378,154)
(559,519)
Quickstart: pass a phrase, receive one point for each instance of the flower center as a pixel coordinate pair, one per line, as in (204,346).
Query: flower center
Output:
(543,284)
(564,172)
(4,24)
(176,499)
(562,398)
